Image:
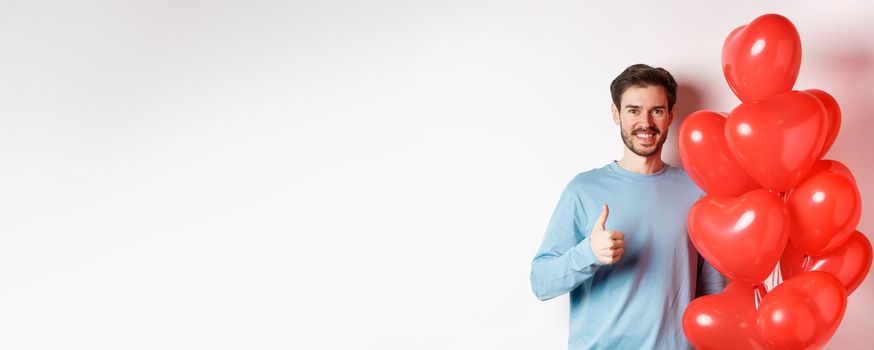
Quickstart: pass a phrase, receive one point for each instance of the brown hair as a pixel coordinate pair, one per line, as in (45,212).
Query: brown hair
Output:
(643,75)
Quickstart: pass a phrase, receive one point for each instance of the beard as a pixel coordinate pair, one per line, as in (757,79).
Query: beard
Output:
(627,138)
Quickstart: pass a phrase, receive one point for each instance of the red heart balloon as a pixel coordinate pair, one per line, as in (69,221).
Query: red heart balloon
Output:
(849,262)
(778,139)
(762,59)
(706,156)
(833,166)
(833,115)
(803,312)
(825,210)
(742,237)
(726,320)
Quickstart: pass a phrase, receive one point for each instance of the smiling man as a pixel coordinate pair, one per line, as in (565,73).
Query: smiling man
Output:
(617,240)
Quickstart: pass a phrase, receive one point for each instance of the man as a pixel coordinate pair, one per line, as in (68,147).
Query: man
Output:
(617,240)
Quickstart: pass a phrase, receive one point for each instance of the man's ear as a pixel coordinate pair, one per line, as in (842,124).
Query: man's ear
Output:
(615,112)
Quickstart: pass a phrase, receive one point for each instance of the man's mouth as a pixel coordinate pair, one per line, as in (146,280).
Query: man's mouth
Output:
(645,135)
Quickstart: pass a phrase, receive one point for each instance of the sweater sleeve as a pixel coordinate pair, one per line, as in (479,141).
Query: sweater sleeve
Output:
(710,281)
(565,258)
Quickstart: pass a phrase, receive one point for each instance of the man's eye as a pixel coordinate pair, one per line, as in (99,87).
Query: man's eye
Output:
(657,112)
(633,111)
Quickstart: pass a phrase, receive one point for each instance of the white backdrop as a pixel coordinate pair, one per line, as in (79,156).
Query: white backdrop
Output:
(339,174)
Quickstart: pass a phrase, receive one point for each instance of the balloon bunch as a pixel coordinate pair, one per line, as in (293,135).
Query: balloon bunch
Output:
(771,199)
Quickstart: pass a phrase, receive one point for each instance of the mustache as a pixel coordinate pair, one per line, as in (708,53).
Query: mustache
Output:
(651,129)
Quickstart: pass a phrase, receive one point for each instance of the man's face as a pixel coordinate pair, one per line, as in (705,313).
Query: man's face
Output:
(643,119)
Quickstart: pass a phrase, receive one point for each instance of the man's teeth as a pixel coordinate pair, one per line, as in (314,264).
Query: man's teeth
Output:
(644,135)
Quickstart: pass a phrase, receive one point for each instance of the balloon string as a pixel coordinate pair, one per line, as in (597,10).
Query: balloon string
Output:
(783,196)
(779,274)
(757,295)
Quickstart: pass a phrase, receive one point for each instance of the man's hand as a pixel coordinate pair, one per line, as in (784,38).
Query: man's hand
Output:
(608,246)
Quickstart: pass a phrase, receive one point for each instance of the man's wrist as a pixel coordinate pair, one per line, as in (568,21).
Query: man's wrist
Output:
(582,255)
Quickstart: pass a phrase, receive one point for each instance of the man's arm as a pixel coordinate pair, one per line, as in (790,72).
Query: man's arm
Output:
(561,264)
(710,281)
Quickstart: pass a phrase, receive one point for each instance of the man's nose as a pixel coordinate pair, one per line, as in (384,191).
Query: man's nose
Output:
(647,119)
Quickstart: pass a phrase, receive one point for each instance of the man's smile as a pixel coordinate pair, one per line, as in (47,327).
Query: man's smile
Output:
(645,136)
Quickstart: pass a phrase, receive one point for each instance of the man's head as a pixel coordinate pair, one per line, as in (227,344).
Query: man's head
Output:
(643,104)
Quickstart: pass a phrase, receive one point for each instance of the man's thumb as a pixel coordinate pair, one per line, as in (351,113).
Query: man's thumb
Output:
(603,218)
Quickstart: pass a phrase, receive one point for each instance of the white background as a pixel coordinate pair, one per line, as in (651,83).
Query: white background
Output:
(339,174)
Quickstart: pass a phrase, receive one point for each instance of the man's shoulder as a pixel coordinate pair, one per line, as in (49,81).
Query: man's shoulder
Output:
(682,178)
(587,178)
(677,172)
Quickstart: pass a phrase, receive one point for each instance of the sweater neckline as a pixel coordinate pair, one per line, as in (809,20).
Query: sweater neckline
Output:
(614,166)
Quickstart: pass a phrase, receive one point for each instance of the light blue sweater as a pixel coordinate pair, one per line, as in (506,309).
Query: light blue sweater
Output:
(638,302)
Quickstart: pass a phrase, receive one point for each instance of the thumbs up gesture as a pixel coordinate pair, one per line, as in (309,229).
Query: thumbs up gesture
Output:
(607,246)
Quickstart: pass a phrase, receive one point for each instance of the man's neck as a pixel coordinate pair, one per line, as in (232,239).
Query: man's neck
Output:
(641,165)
